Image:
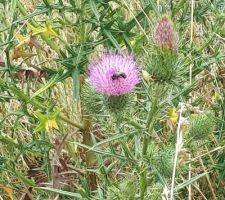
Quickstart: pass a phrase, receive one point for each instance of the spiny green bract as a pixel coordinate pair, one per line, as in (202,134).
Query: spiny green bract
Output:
(155,192)
(161,64)
(97,103)
(125,190)
(92,101)
(201,125)
(161,159)
(116,103)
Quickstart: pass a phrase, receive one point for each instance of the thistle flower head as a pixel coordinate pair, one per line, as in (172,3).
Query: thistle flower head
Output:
(114,74)
(201,125)
(164,34)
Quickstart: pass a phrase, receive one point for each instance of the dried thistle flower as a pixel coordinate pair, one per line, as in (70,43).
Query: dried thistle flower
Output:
(164,34)
(114,74)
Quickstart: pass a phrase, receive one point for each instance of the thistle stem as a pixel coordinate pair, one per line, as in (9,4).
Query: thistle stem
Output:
(90,157)
(73,123)
(149,127)
(149,123)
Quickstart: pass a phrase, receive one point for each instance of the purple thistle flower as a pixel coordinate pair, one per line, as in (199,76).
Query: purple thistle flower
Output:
(114,74)
(164,34)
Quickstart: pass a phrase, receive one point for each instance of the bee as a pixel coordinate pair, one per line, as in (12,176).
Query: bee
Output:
(118,75)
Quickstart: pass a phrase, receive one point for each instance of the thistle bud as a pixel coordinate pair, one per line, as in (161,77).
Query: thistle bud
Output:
(164,34)
(201,125)
(162,62)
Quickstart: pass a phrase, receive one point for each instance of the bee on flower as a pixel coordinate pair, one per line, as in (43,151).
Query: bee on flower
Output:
(112,77)
(114,74)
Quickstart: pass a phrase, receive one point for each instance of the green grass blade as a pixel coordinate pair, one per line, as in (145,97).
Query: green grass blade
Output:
(49,84)
(61,192)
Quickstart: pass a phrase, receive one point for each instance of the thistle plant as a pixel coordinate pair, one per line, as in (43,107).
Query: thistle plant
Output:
(161,63)
(79,124)
(114,76)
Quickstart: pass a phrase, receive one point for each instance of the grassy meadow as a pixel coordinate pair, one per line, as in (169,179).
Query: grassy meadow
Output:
(112,100)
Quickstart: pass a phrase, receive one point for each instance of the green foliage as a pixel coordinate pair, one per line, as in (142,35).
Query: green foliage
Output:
(126,189)
(45,46)
(91,100)
(155,192)
(162,64)
(163,161)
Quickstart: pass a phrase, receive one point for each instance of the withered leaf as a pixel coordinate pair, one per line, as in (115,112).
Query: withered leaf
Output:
(20,53)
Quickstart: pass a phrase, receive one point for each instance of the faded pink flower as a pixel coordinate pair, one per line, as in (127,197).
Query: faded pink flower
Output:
(114,74)
(164,34)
